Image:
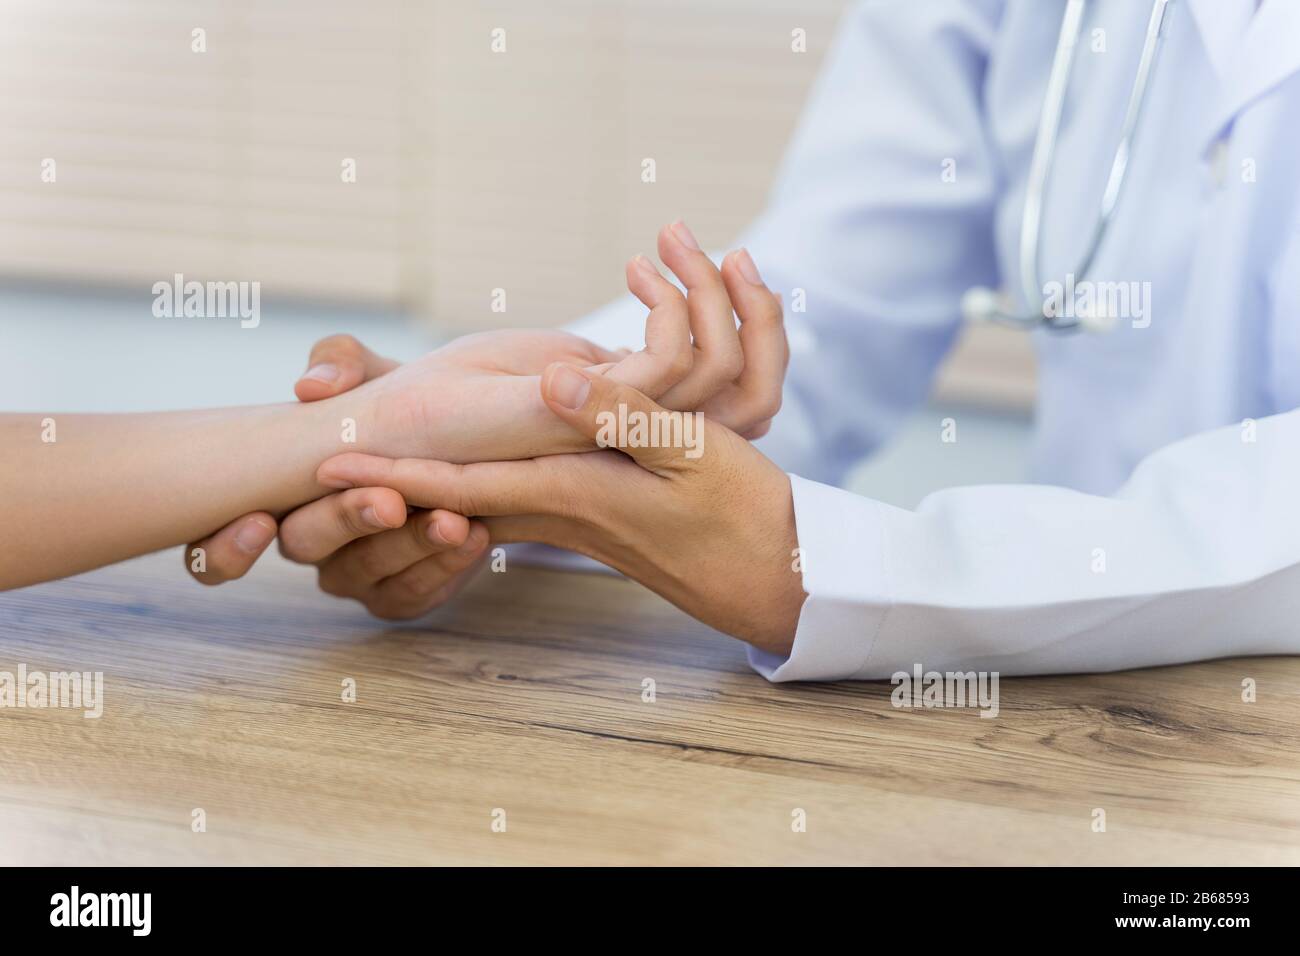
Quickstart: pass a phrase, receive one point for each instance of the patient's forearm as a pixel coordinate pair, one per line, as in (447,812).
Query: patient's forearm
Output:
(80,491)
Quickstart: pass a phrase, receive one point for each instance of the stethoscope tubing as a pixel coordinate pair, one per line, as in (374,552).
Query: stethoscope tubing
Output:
(999,307)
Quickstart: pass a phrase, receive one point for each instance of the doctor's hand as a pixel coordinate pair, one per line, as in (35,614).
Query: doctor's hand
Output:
(712,532)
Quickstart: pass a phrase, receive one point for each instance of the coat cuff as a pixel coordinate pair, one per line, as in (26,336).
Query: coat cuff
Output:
(843,547)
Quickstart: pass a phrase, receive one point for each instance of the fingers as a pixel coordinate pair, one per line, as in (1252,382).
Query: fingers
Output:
(339,363)
(429,583)
(718,358)
(762,336)
(368,549)
(230,552)
(685,362)
(318,529)
(618,416)
(668,353)
(574,485)
(417,585)
(371,559)
(483,488)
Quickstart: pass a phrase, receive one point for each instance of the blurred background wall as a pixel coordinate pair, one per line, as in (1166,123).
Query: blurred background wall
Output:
(517,168)
(216,139)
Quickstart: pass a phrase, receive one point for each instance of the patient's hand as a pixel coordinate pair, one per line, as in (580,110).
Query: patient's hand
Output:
(474,399)
(478,399)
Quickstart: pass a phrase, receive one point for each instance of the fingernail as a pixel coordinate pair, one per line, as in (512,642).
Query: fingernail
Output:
(253,536)
(684,235)
(371,517)
(646,266)
(747,268)
(434,534)
(569,387)
(324,372)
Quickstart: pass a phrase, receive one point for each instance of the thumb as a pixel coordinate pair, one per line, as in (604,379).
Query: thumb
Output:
(616,415)
(337,364)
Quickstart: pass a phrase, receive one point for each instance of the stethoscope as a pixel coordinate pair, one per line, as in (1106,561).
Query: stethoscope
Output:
(981,304)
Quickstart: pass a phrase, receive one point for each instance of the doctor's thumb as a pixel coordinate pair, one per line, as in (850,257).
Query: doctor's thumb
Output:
(615,415)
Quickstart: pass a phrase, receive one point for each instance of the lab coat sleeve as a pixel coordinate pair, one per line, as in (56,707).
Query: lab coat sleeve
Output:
(880,220)
(1196,556)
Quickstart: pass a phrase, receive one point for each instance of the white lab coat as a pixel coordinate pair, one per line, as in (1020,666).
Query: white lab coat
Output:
(1167,527)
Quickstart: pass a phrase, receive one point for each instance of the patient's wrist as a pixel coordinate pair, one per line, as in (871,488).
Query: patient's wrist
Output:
(345,422)
(480,418)
(286,444)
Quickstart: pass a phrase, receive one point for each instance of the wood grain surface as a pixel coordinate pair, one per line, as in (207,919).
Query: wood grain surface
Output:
(527,697)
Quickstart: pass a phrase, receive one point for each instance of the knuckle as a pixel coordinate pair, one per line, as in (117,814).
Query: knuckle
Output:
(417,586)
(370,561)
(465,502)
(331,582)
(674,298)
(763,309)
(768,406)
(731,365)
(681,362)
(424,474)
(462,495)
(440,596)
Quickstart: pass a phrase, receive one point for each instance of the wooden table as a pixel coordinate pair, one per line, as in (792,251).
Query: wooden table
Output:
(527,697)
